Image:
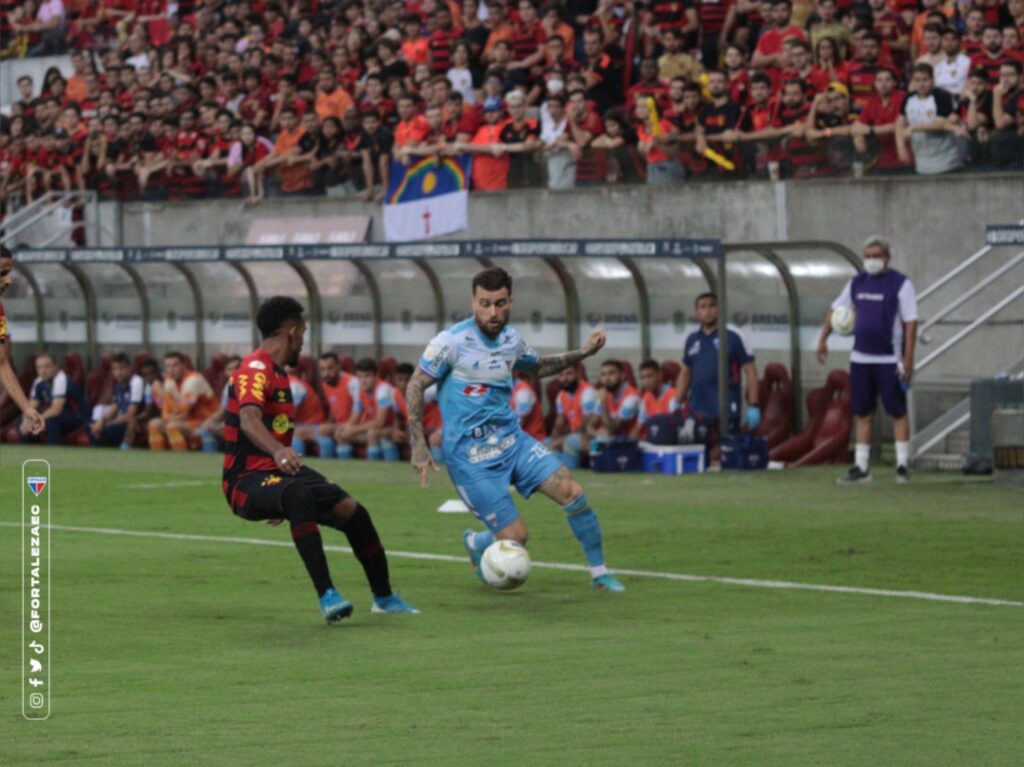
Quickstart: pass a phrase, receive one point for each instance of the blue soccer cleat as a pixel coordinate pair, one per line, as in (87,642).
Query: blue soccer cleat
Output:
(607,582)
(391,604)
(474,555)
(334,607)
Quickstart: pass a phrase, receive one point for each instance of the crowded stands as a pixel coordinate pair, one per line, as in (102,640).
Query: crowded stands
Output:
(258,98)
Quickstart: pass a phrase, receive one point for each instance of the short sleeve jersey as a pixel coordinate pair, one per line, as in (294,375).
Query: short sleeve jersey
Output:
(259,382)
(128,394)
(474,388)
(700,354)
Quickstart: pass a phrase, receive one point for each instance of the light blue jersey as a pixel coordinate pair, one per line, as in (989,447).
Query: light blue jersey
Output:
(484,447)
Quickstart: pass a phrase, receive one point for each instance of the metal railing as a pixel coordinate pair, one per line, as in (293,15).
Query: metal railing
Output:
(957,416)
(39,210)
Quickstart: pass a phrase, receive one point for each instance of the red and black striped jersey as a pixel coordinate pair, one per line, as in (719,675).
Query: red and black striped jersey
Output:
(526,39)
(440,46)
(257,381)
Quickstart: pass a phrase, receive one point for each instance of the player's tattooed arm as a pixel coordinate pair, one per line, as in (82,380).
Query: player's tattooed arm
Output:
(421,458)
(555,364)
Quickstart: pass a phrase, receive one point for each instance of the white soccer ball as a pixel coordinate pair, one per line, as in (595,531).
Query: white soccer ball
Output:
(843,320)
(505,565)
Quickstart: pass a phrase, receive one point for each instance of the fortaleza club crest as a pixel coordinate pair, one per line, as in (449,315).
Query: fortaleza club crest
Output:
(36,484)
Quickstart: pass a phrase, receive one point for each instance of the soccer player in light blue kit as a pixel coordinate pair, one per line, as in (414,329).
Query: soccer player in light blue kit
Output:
(484,447)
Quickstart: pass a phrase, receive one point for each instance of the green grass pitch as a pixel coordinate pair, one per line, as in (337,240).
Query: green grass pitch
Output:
(211,652)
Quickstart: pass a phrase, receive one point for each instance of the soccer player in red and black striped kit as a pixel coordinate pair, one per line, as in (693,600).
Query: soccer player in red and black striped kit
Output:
(264,479)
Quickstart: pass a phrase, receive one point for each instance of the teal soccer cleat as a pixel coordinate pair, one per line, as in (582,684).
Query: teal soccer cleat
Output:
(474,555)
(607,582)
(334,607)
(391,604)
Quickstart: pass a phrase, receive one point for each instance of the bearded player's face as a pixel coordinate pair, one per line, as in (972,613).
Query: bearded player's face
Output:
(491,309)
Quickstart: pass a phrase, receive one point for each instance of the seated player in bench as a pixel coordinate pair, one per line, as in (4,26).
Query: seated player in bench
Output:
(373,415)
(576,415)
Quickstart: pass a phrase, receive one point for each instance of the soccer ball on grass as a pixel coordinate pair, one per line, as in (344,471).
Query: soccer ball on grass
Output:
(505,565)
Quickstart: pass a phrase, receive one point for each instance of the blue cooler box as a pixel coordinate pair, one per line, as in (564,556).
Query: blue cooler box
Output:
(672,459)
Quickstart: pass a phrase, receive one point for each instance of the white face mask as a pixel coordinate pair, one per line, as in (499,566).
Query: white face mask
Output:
(555,86)
(874,265)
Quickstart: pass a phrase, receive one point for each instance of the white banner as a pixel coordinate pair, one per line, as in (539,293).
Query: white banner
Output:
(429,217)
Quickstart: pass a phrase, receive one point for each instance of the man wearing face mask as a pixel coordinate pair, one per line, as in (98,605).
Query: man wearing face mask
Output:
(882,360)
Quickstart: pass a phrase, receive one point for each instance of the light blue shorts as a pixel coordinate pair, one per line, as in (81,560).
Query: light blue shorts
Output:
(484,486)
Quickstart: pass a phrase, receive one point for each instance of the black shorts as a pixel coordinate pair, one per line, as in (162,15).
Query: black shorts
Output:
(257,495)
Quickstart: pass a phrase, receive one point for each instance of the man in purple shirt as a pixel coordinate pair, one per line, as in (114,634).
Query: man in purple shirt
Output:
(882,360)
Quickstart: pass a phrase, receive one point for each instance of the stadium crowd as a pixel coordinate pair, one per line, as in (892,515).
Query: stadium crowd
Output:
(254,98)
(345,408)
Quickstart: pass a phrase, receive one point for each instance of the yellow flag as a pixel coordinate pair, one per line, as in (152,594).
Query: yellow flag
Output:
(719,160)
(652,109)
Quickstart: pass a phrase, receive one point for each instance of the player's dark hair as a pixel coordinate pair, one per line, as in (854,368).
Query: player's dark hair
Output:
(405,369)
(5,252)
(175,355)
(649,364)
(120,358)
(492,279)
(708,294)
(367,365)
(329,356)
(233,358)
(613,363)
(276,312)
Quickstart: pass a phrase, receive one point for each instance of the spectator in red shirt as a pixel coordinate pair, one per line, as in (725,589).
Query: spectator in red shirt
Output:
(443,36)
(653,136)
(770,55)
(874,132)
(974,25)
(860,76)
(802,68)
(992,57)
(412,127)
(490,161)
(738,72)
(892,29)
(648,86)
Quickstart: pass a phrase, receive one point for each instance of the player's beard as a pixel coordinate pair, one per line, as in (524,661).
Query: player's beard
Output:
(492,331)
(293,358)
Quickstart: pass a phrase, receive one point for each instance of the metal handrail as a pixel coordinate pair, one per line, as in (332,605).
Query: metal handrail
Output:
(977,323)
(36,203)
(9,232)
(957,271)
(965,297)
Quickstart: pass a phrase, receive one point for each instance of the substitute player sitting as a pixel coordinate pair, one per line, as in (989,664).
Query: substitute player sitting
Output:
(484,446)
(656,398)
(882,360)
(373,415)
(310,415)
(114,424)
(526,404)
(265,479)
(186,401)
(576,408)
(618,402)
(340,390)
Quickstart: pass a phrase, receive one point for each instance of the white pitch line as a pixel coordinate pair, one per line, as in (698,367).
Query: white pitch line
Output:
(745,582)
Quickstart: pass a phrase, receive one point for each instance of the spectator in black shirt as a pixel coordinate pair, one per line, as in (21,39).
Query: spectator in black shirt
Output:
(376,156)
(521,135)
(603,78)
(719,116)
